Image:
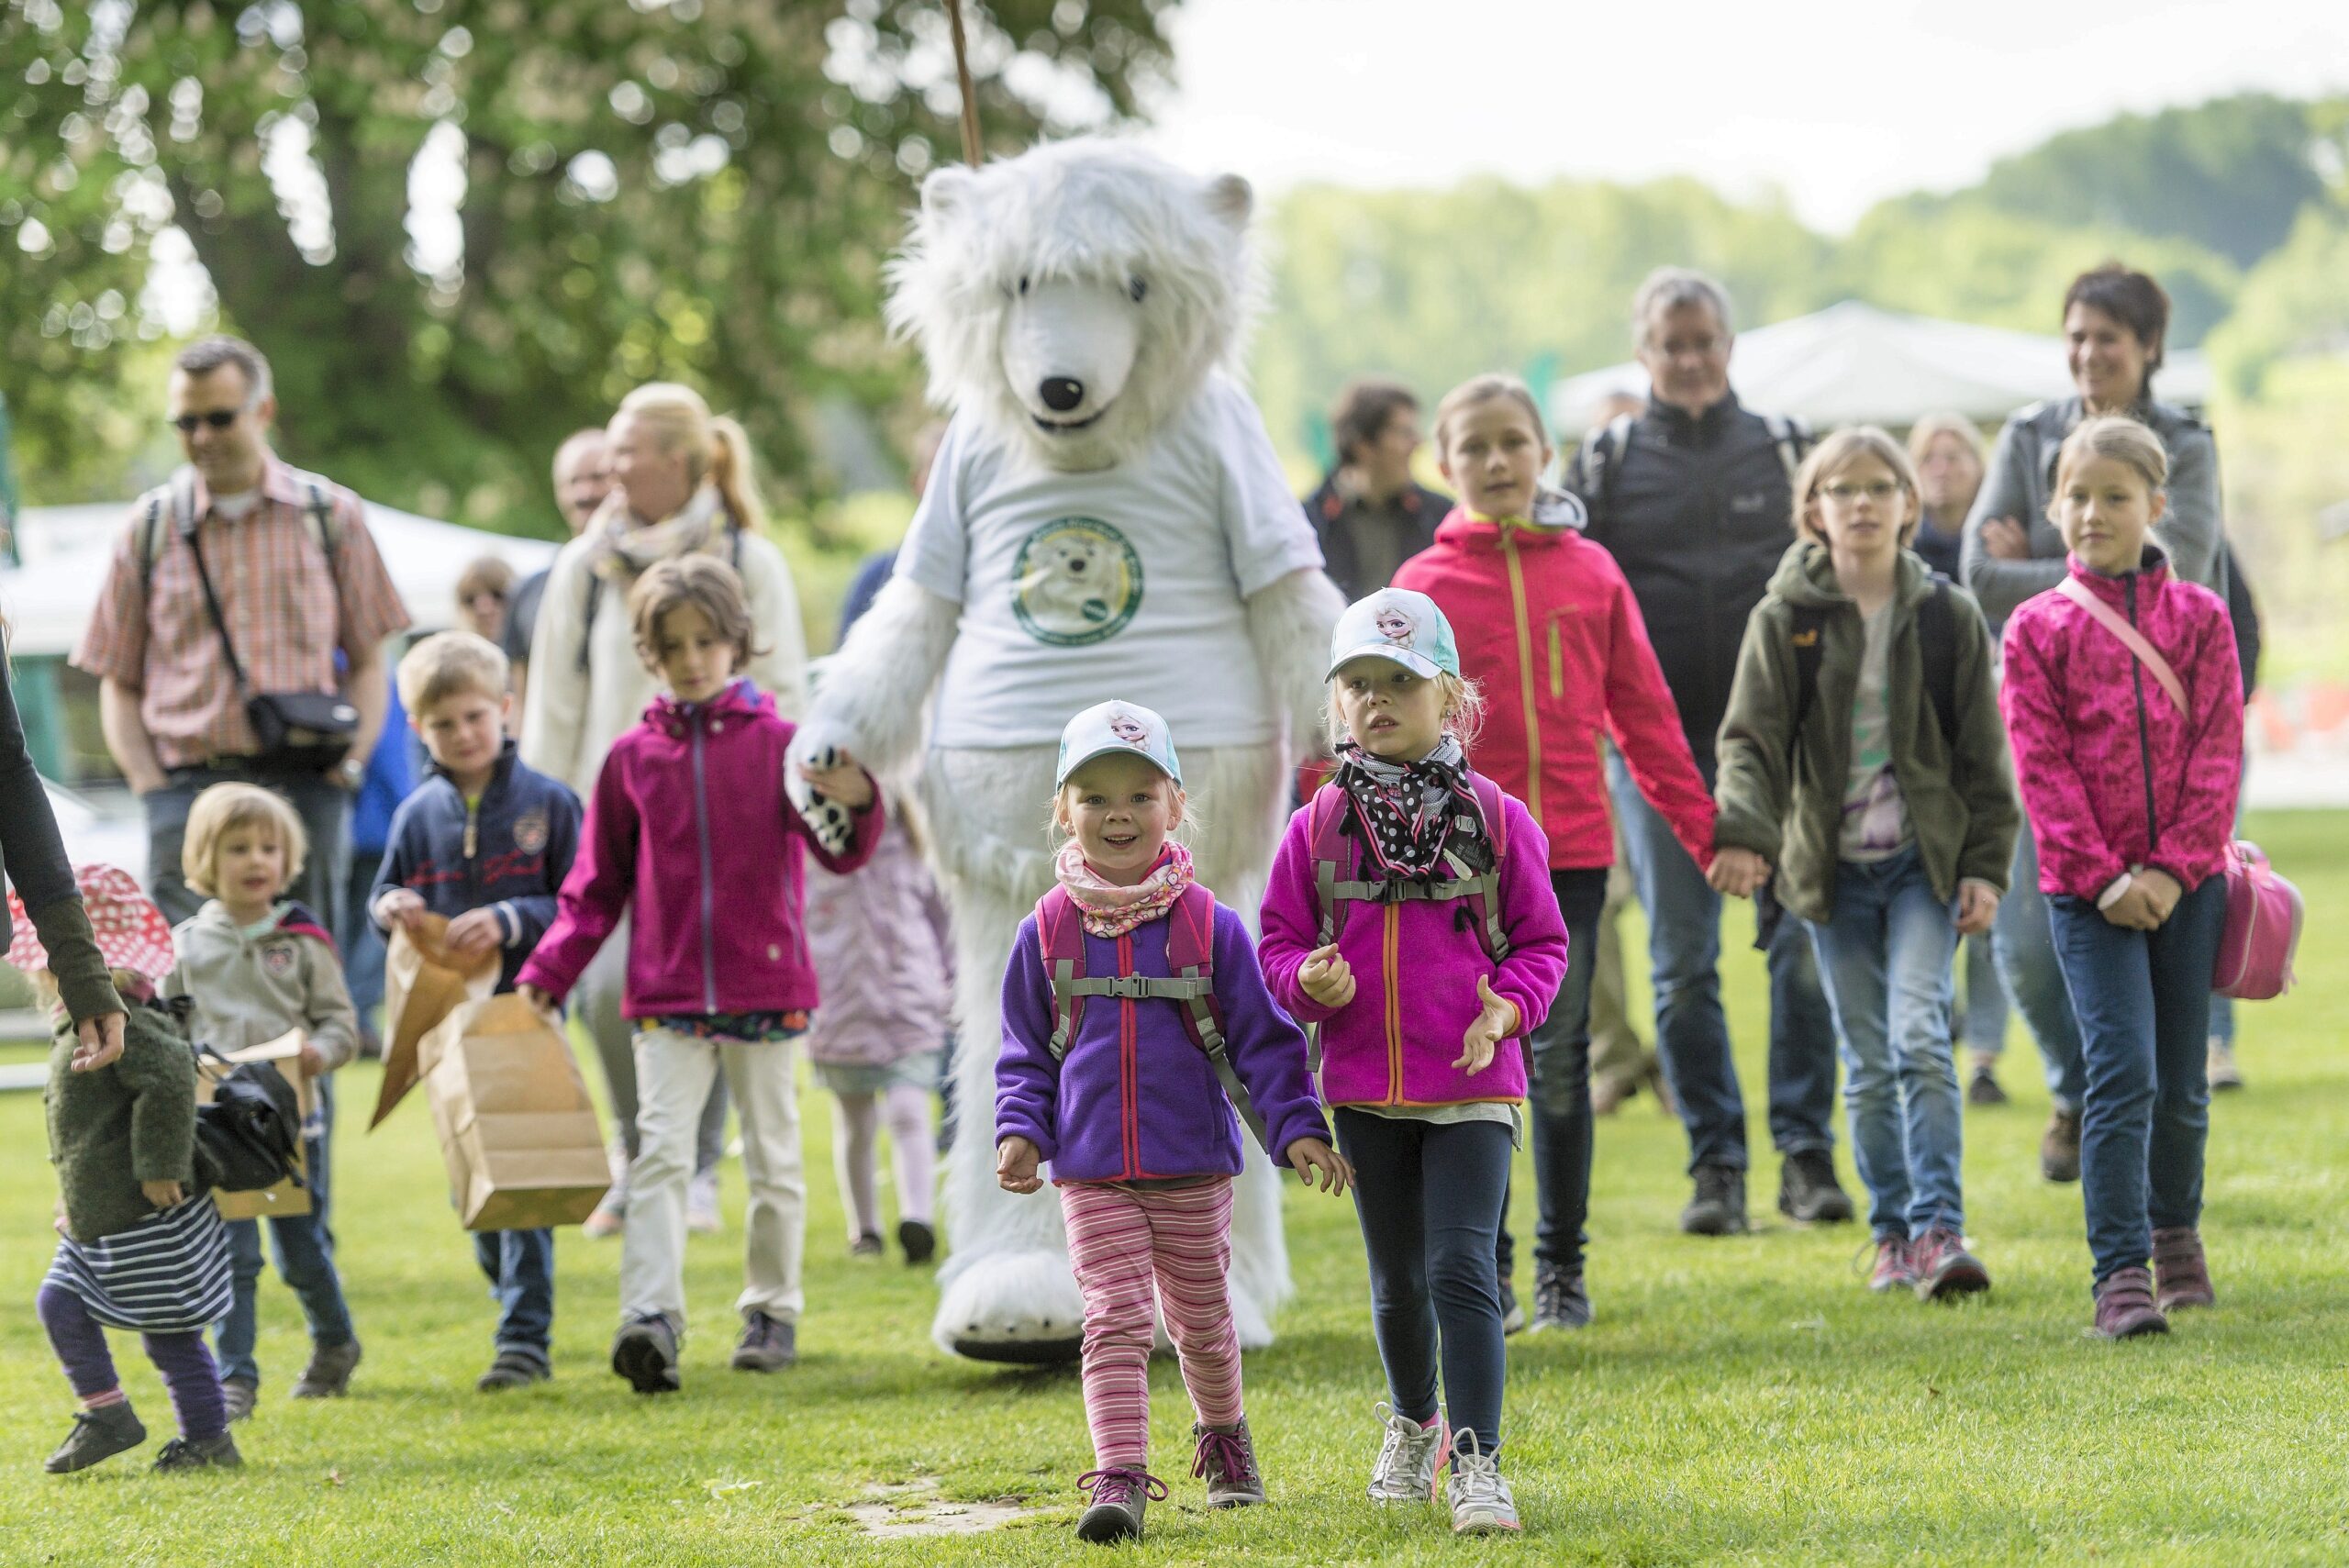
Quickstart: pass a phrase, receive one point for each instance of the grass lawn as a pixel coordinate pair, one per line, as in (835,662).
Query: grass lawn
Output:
(1737,1400)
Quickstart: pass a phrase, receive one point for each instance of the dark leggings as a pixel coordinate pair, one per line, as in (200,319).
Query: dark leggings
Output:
(189,1376)
(1430,1198)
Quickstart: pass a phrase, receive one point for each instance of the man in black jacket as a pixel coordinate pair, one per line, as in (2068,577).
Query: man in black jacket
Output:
(1692,496)
(1370,515)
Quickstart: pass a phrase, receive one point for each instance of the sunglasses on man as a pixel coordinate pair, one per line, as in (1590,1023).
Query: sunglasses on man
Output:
(218,418)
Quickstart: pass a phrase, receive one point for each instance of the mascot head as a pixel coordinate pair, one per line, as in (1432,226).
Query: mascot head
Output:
(1074,296)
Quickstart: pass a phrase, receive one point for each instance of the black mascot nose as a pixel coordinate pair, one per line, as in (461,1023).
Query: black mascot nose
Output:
(1060,394)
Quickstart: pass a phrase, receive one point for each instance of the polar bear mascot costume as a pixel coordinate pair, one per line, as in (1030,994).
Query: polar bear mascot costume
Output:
(1105,518)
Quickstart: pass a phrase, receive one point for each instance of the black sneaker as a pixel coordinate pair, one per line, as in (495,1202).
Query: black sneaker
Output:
(918,1241)
(1512,1310)
(1984,1090)
(768,1344)
(1807,1189)
(645,1352)
(98,1434)
(1718,1208)
(207,1454)
(512,1369)
(1559,1299)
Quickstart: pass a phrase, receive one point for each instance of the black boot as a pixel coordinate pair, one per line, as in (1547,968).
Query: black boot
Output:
(1807,1189)
(1718,1208)
(98,1434)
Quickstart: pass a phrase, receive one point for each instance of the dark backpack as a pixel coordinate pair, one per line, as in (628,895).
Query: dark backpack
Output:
(249,1137)
(1603,455)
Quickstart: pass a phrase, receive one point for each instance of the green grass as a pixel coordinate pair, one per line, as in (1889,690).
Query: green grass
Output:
(1737,1400)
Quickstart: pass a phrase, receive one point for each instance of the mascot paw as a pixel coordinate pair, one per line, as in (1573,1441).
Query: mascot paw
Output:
(832,824)
(1021,1307)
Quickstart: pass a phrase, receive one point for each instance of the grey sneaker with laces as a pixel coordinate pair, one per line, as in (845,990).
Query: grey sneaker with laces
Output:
(1119,1496)
(1227,1460)
(240,1395)
(1481,1503)
(1408,1459)
(98,1434)
(768,1344)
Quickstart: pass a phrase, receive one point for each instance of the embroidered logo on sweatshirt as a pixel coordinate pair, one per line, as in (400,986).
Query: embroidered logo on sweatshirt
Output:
(279,959)
(530,831)
(1076,580)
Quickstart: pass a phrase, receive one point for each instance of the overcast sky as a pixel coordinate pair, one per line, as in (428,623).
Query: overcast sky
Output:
(1838,102)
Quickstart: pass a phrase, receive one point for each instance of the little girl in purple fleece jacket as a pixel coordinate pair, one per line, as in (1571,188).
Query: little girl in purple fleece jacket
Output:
(1125,1103)
(1409,916)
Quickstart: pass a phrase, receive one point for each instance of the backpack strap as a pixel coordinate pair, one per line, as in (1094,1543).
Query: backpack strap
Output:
(587,618)
(1937,644)
(2144,652)
(1809,625)
(1600,460)
(1791,437)
(1061,939)
(1190,956)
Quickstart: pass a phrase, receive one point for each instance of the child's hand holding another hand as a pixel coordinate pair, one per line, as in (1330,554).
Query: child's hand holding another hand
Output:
(1737,873)
(1309,1155)
(1496,1023)
(101,1043)
(401,910)
(1326,978)
(544,1004)
(839,777)
(1015,1159)
(163,1195)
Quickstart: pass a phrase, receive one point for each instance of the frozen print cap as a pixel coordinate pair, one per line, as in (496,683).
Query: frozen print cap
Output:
(1399,625)
(131,932)
(1116,727)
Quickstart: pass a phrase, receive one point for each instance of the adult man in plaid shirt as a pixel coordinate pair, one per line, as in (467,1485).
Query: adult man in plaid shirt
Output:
(299,582)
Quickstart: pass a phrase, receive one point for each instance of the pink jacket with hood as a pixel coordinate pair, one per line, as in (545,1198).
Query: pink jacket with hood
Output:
(2113,775)
(689,828)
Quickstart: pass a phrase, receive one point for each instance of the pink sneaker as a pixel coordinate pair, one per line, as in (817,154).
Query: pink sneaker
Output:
(2181,1274)
(2124,1305)
(1945,1270)
(1892,1266)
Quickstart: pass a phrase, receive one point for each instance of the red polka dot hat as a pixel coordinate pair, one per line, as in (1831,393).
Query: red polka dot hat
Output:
(131,932)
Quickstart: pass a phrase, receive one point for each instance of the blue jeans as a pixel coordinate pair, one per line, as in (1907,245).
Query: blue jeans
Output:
(520,1266)
(1885,955)
(2026,962)
(1985,999)
(1428,1196)
(305,1260)
(1691,1031)
(2144,1002)
(1558,1087)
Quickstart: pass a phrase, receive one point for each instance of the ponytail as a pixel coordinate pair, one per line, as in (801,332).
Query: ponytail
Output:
(730,470)
(715,445)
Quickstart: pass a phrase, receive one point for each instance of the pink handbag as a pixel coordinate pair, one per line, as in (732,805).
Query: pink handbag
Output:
(2264,911)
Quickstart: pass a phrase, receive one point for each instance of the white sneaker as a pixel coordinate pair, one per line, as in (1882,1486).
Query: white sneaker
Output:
(2218,1065)
(1481,1504)
(701,1205)
(1407,1459)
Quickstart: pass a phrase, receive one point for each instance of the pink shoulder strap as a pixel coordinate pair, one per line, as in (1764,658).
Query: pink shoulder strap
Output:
(2105,616)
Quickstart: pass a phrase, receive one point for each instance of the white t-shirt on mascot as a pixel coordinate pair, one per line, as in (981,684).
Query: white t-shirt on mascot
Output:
(1138,570)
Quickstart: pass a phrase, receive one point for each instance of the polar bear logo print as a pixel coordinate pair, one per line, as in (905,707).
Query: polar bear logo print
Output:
(1076,581)
(1396,627)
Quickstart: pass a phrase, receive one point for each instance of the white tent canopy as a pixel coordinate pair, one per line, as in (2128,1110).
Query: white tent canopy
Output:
(68,548)
(1853,363)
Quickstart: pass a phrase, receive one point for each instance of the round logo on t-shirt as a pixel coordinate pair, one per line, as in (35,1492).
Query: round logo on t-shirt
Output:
(1076,580)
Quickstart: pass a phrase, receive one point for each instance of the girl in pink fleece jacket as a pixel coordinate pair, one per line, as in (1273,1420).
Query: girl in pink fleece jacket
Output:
(2129,771)
(1409,921)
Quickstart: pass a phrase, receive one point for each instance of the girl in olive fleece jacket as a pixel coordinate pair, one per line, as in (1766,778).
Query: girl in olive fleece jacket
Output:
(1890,822)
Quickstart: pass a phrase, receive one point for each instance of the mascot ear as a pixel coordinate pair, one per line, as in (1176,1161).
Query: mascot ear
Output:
(947,191)
(1229,198)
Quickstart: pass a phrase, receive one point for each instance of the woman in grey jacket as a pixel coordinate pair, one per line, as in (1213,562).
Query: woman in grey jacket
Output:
(2116,323)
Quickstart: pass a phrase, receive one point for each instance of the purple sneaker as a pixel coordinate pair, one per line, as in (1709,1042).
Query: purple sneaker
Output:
(1945,1270)
(2181,1274)
(2124,1305)
(1120,1495)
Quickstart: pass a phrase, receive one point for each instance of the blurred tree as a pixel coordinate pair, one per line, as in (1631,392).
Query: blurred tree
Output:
(461,228)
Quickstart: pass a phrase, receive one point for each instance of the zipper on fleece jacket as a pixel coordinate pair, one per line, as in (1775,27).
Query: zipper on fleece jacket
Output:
(472,849)
(2145,734)
(708,892)
(1524,673)
(1129,1107)
(1388,964)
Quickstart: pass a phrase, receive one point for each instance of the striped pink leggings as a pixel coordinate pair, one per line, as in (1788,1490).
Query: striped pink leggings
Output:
(1120,1240)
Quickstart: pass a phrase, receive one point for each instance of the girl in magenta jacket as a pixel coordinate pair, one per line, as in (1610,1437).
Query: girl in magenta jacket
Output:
(1410,920)
(2132,794)
(690,824)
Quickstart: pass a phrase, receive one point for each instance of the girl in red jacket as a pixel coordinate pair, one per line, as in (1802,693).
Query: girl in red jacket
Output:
(2129,766)
(1549,629)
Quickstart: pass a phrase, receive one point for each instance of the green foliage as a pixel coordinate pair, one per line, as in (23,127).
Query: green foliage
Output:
(1740,1401)
(702,190)
(2294,301)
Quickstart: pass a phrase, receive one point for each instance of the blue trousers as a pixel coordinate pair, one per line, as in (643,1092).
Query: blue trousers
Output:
(305,1260)
(1691,1031)
(2143,1002)
(2025,948)
(1428,1196)
(521,1267)
(1884,957)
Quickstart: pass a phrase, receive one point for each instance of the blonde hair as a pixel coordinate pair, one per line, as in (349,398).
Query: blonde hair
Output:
(715,445)
(1933,427)
(447,663)
(224,807)
(2118,436)
(1057,831)
(706,583)
(1838,452)
(1464,709)
(484,574)
(1484,389)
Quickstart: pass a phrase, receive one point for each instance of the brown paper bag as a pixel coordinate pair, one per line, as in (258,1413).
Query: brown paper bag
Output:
(421,985)
(284,1052)
(520,1137)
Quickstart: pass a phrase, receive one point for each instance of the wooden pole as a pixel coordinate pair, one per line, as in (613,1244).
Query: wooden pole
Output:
(971,153)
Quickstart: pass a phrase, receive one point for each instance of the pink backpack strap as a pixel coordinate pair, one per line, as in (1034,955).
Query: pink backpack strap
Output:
(1060,937)
(1190,963)
(1325,814)
(2105,616)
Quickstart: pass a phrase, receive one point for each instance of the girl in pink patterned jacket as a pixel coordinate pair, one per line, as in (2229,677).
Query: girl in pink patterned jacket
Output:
(2129,769)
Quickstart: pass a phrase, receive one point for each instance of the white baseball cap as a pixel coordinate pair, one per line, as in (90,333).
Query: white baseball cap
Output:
(1398,624)
(1116,727)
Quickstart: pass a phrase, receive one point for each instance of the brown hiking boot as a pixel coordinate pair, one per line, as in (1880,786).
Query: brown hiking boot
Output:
(2124,1305)
(2059,1147)
(2181,1274)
